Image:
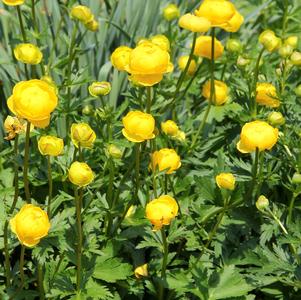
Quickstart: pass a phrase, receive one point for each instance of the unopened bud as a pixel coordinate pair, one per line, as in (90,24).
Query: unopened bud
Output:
(234,45)
(99,88)
(296,58)
(262,203)
(276,118)
(296,178)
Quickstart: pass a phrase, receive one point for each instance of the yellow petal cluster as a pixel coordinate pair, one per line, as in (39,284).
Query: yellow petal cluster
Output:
(50,145)
(221,92)
(141,271)
(183,61)
(269,40)
(165,159)
(194,23)
(257,135)
(28,54)
(161,41)
(30,224)
(170,127)
(80,174)
(83,14)
(161,211)
(14,126)
(225,181)
(99,88)
(171,12)
(13,2)
(266,94)
(203,47)
(82,135)
(120,58)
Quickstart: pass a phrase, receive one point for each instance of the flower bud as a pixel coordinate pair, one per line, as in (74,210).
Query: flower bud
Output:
(296,178)
(180,136)
(262,203)
(82,134)
(276,118)
(50,145)
(92,25)
(269,40)
(87,110)
(141,271)
(114,151)
(298,90)
(296,58)
(28,54)
(30,224)
(285,51)
(99,88)
(171,12)
(225,181)
(292,41)
(165,159)
(80,174)
(169,127)
(234,45)
(182,62)
(242,62)
(82,13)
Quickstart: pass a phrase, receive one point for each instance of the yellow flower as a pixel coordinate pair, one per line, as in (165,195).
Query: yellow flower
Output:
(276,118)
(269,40)
(13,2)
(50,145)
(114,151)
(221,13)
(30,224)
(28,54)
(138,126)
(266,95)
(171,12)
(257,134)
(148,63)
(225,181)
(182,62)
(180,136)
(295,58)
(203,47)
(120,57)
(161,211)
(14,126)
(169,127)
(165,159)
(141,271)
(162,41)
(101,88)
(292,41)
(221,92)
(80,174)
(92,25)
(82,13)
(82,134)
(194,23)
(33,100)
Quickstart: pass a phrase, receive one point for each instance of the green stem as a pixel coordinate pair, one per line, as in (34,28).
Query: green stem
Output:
(33,13)
(110,195)
(149,99)
(284,22)
(26,161)
(137,169)
(78,205)
(165,253)
(21,267)
(291,207)
(40,282)
(49,172)
(21,24)
(80,153)
(277,220)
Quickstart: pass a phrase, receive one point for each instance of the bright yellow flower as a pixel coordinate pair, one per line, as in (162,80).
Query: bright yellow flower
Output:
(51,145)
(269,40)
(257,134)
(221,13)
(141,271)
(171,12)
(165,159)
(14,126)
(292,41)
(161,211)
(92,25)
(101,88)
(120,57)
(28,54)
(221,92)
(169,127)
(138,126)
(30,224)
(82,134)
(80,174)
(82,13)
(148,63)
(162,41)
(182,62)
(13,2)
(225,181)
(33,100)
(266,94)
(203,47)
(194,23)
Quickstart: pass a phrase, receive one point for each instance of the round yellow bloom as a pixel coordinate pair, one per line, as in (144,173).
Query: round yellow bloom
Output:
(51,145)
(141,271)
(182,62)
(147,64)
(165,159)
(101,88)
(257,134)
(171,12)
(120,57)
(203,47)
(161,211)
(276,118)
(13,2)
(169,127)
(266,95)
(194,23)
(92,25)
(221,92)
(292,41)
(138,126)
(30,224)
(82,134)
(80,174)
(269,40)
(295,58)
(28,54)
(82,13)
(33,100)
(162,41)
(221,13)
(225,181)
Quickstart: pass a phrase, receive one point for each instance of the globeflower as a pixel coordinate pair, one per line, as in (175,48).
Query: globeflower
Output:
(171,12)
(13,2)
(170,127)
(28,54)
(82,135)
(203,47)
(221,92)
(30,224)
(165,159)
(138,126)
(161,41)
(50,145)
(161,211)
(99,88)
(183,61)
(82,13)
(225,181)
(266,95)
(221,13)
(269,40)
(141,271)
(257,135)
(120,57)
(194,23)
(80,174)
